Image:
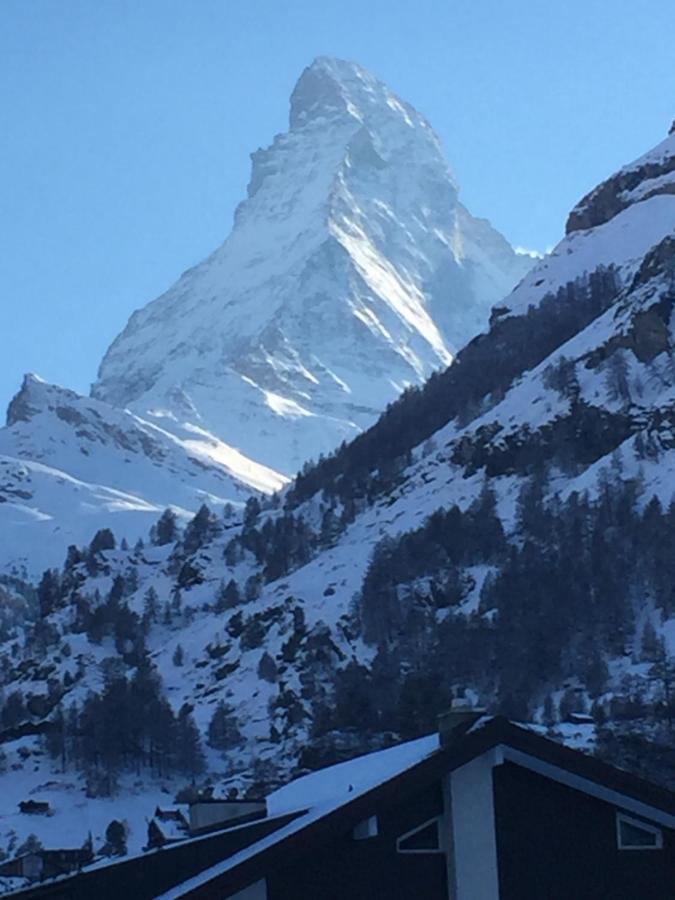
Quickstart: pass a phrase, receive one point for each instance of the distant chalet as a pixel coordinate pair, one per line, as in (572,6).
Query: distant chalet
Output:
(488,811)
(34,808)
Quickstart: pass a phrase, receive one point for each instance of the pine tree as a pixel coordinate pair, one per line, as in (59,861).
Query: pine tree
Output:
(165,531)
(252,588)
(548,716)
(330,528)
(13,710)
(267,668)
(251,512)
(150,608)
(228,596)
(116,839)
(48,592)
(55,738)
(178,656)
(200,530)
(649,647)
(223,732)
(188,753)
(104,539)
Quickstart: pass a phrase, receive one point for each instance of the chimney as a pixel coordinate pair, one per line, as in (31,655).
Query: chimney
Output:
(457,720)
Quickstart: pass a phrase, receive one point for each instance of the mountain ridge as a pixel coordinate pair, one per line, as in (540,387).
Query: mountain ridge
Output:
(357,268)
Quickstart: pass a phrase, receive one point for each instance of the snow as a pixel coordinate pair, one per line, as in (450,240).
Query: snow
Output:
(321,793)
(314,370)
(623,242)
(657,155)
(73,816)
(351,272)
(346,780)
(75,465)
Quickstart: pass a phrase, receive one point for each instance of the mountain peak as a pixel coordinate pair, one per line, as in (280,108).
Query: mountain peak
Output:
(22,405)
(352,271)
(332,87)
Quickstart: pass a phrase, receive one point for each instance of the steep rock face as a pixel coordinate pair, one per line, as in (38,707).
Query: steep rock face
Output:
(649,176)
(351,272)
(70,465)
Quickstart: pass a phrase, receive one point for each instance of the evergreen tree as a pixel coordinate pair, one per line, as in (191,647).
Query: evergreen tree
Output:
(48,592)
(165,531)
(650,650)
(200,530)
(228,596)
(116,839)
(267,668)
(13,710)
(189,756)
(150,608)
(251,512)
(548,716)
(223,732)
(252,588)
(102,540)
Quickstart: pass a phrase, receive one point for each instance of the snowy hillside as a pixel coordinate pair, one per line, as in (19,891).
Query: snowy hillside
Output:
(506,531)
(351,272)
(70,465)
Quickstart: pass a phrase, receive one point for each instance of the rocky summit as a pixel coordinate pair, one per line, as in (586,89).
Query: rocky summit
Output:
(352,271)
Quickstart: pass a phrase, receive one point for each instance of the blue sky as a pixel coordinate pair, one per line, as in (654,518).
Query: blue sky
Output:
(126,129)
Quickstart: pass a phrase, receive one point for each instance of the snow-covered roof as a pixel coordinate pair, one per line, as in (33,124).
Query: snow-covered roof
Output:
(348,779)
(321,793)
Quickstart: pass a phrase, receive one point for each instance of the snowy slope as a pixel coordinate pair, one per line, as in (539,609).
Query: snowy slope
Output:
(70,465)
(591,396)
(447,469)
(616,224)
(351,272)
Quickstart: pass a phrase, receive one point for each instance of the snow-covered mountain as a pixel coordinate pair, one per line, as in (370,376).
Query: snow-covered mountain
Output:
(351,272)
(505,530)
(494,532)
(70,465)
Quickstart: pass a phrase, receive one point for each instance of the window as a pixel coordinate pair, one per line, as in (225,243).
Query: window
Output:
(366,829)
(634,834)
(423,839)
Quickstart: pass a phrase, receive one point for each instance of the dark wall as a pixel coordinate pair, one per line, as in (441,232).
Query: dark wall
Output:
(369,869)
(555,843)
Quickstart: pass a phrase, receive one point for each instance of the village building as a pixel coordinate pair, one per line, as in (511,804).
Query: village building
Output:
(41,864)
(485,810)
(34,808)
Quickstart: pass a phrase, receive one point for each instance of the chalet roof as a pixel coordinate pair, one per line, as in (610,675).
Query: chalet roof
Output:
(325,805)
(344,795)
(170,829)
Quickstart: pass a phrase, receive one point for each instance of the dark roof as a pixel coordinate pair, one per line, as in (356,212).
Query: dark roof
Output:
(178,869)
(156,871)
(494,732)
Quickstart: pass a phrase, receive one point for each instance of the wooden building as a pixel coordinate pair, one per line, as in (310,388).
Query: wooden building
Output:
(488,811)
(40,864)
(34,808)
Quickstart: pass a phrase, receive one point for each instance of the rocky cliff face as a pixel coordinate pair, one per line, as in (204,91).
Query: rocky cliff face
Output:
(351,272)
(649,176)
